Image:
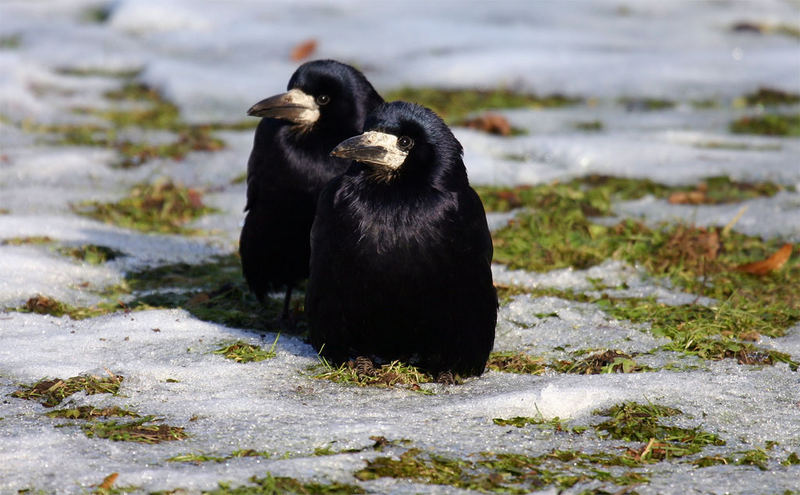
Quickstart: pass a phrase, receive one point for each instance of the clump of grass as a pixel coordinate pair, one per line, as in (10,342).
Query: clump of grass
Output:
(125,74)
(754,457)
(455,104)
(45,305)
(363,373)
(771,97)
(91,413)
(633,422)
(556,423)
(280,484)
(590,125)
(21,241)
(91,253)
(161,207)
(242,352)
(11,41)
(236,454)
(631,103)
(140,430)
(610,361)
(770,124)
(51,393)
(505,473)
(516,362)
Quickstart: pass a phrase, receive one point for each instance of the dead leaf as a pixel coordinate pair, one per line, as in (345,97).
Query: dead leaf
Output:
(771,264)
(108,481)
(303,50)
(490,122)
(751,336)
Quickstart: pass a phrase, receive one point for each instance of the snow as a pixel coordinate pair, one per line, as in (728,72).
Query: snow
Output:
(215,59)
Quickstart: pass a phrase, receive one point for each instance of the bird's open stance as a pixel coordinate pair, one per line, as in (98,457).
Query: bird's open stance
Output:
(290,163)
(400,250)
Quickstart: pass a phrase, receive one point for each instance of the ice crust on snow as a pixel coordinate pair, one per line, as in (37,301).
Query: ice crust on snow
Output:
(214,60)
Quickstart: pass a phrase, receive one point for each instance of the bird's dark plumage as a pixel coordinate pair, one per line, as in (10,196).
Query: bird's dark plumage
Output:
(290,163)
(401,252)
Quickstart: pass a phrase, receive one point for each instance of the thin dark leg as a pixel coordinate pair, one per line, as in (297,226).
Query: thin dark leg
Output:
(286,302)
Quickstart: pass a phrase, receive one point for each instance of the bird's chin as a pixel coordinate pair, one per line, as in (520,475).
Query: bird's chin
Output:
(379,172)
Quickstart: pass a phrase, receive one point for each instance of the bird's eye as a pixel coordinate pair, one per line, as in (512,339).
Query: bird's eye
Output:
(323,99)
(405,143)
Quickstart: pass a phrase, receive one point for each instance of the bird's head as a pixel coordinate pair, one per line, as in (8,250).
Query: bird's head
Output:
(322,94)
(403,139)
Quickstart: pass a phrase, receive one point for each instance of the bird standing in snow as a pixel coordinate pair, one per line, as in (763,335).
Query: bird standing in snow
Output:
(289,165)
(401,252)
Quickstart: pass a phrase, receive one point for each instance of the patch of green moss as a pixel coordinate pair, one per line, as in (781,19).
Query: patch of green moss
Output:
(633,422)
(274,485)
(200,458)
(590,125)
(243,352)
(9,42)
(50,393)
(503,473)
(729,145)
(646,103)
(771,97)
(96,15)
(91,253)
(770,124)
(610,361)
(126,74)
(455,104)
(792,460)
(161,207)
(558,232)
(90,413)
(20,241)
(555,423)
(142,430)
(516,362)
(44,305)
(754,457)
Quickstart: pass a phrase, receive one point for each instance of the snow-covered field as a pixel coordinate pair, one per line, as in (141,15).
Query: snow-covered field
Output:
(213,59)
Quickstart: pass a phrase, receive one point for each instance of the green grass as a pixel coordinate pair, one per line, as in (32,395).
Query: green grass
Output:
(453,105)
(363,374)
(770,124)
(10,42)
(610,361)
(503,472)
(284,485)
(90,253)
(91,413)
(142,430)
(558,231)
(771,97)
(633,422)
(163,207)
(242,352)
(51,392)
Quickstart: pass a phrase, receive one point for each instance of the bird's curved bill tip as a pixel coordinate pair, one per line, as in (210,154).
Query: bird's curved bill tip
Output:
(294,106)
(376,148)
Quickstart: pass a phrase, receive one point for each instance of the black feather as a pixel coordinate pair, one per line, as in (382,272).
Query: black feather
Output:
(288,167)
(400,259)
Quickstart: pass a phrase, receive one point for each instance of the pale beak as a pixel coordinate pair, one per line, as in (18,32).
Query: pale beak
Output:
(376,148)
(294,106)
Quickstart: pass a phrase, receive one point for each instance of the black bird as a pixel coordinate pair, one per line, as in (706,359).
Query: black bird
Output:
(290,163)
(400,250)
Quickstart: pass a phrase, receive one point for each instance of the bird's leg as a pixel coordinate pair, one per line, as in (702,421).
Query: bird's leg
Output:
(446,378)
(286,302)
